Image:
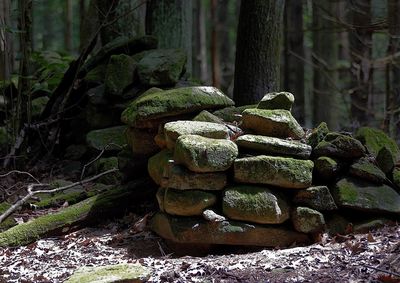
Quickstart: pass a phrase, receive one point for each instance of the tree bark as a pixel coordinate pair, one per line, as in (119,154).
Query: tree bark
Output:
(91,210)
(294,56)
(5,41)
(325,57)
(258,47)
(360,48)
(199,55)
(393,71)
(68,26)
(171,22)
(89,25)
(215,66)
(107,13)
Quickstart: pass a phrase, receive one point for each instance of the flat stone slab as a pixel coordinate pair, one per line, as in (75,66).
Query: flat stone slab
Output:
(274,146)
(340,146)
(147,109)
(107,139)
(126,272)
(365,169)
(271,170)
(277,100)
(318,197)
(178,177)
(192,230)
(273,123)
(185,203)
(173,130)
(255,204)
(200,154)
(365,196)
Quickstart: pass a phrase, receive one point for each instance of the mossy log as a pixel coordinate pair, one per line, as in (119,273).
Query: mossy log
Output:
(90,210)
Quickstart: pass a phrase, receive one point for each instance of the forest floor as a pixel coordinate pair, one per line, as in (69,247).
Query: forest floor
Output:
(372,257)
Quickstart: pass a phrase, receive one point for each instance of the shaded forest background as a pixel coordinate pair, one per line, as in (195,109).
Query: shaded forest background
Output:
(341,59)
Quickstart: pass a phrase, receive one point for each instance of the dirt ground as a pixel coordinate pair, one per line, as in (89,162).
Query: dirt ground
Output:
(372,257)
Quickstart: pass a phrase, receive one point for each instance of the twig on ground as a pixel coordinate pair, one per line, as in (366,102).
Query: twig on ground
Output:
(20,172)
(382,270)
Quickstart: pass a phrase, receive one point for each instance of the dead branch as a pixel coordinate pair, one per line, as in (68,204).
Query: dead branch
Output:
(31,192)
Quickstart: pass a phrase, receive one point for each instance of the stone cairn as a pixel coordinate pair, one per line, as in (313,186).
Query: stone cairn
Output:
(252,176)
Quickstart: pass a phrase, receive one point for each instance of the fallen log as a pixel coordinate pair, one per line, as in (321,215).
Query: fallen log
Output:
(92,210)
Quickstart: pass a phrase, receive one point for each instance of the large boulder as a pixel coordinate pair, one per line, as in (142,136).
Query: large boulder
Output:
(173,130)
(119,74)
(188,202)
(274,146)
(307,220)
(157,165)
(318,198)
(125,272)
(161,67)
(277,100)
(274,123)
(365,196)
(197,231)
(108,139)
(374,140)
(178,177)
(365,169)
(255,204)
(277,171)
(340,146)
(148,110)
(201,154)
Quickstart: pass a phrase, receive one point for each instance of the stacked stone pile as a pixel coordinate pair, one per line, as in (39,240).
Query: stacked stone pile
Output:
(265,183)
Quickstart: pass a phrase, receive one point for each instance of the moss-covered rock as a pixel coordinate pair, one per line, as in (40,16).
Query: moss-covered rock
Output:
(126,272)
(277,171)
(274,123)
(318,134)
(188,202)
(374,140)
(108,139)
(318,198)
(255,204)
(157,165)
(277,100)
(338,224)
(340,146)
(161,67)
(385,160)
(96,75)
(201,154)
(232,114)
(178,177)
(307,220)
(192,230)
(119,74)
(205,116)
(8,222)
(326,169)
(173,130)
(147,110)
(365,196)
(105,164)
(396,177)
(365,169)
(142,141)
(274,146)
(370,224)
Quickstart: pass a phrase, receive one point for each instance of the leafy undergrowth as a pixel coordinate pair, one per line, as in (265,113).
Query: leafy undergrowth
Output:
(358,258)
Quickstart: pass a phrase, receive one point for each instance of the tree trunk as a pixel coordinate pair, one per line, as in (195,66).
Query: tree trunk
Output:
(48,31)
(107,13)
(325,57)
(68,26)
(361,47)
(5,41)
(199,56)
(171,22)
(260,28)
(215,66)
(393,71)
(89,25)
(91,210)
(294,56)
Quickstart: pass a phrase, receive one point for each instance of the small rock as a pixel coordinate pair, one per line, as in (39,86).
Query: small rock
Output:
(365,169)
(318,134)
(142,141)
(119,74)
(108,139)
(210,215)
(326,169)
(307,220)
(157,165)
(318,198)
(340,146)
(277,100)
(205,116)
(232,114)
(385,160)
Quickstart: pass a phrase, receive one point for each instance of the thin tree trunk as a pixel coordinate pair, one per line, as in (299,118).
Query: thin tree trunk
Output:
(393,70)
(89,25)
(260,28)
(360,48)
(68,25)
(226,46)
(171,22)
(325,56)
(5,41)
(215,67)
(294,56)
(106,13)
(48,31)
